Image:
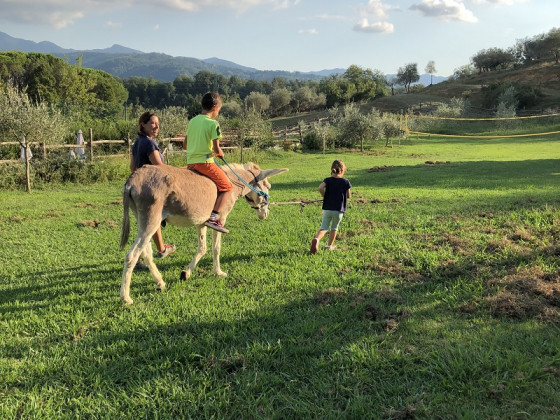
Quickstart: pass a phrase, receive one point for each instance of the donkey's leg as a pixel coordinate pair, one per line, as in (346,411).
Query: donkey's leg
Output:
(130,261)
(153,223)
(200,251)
(216,247)
(148,256)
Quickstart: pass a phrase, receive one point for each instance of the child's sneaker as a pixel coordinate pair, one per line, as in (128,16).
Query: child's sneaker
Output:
(169,249)
(330,247)
(216,225)
(314,245)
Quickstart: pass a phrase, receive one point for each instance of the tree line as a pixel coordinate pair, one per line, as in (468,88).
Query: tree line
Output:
(273,98)
(537,49)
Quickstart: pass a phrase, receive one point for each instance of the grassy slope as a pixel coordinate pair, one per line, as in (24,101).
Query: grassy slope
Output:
(545,76)
(441,301)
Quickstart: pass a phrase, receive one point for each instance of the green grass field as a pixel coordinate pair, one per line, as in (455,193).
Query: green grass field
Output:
(441,301)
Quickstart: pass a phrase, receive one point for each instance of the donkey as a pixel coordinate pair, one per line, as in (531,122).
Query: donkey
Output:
(183,197)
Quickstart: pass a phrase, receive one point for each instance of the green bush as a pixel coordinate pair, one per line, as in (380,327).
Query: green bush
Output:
(58,170)
(526,95)
(312,141)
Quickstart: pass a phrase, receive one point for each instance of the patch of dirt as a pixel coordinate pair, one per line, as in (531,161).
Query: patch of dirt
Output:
(436,162)
(395,269)
(88,223)
(17,219)
(84,205)
(522,236)
(417,155)
(111,223)
(329,296)
(383,168)
(96,223)
(497,246)
(407,413)
(530,292)
(459,245)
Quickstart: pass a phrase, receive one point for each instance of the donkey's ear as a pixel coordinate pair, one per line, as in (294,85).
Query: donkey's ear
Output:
(270,172)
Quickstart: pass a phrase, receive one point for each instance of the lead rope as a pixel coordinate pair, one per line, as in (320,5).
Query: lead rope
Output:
(259,192)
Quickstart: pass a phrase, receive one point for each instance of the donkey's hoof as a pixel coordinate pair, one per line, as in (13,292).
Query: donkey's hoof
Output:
(160,287)
(184,275)
(127,301)
(221,273)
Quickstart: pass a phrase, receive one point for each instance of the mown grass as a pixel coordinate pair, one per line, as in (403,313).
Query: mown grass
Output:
(441,301)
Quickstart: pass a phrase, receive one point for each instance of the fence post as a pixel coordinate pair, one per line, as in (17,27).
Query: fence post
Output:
(91,145)
(27,168)
(44,150)
(240,137)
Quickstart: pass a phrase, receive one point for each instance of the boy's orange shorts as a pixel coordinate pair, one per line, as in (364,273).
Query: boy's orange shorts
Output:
(213,171)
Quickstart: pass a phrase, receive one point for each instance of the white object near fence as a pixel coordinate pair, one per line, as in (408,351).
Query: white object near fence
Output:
(22,150)
(80,140)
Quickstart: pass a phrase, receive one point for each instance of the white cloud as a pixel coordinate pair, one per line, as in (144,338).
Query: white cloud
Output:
(112,24)
(61,13)
(308,31)
(505,2)
(371,18)
(374,8)
(56,13)
(445,10)
(375,27)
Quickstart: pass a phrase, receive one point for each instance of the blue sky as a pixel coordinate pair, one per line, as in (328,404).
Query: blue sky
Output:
(293,35)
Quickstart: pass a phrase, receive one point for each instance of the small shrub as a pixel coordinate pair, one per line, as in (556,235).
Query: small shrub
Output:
(59,170)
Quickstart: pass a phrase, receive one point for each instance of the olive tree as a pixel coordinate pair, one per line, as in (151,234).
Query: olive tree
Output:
(354,126)
(29,123)
(408,75)
(431,70)
(257,101)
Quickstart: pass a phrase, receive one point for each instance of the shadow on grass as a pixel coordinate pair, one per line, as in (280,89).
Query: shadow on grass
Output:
(328,350)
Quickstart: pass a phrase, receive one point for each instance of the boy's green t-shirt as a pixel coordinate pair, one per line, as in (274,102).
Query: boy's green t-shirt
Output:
(202,130)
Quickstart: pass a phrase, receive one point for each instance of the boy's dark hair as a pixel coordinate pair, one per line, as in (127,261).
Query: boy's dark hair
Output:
(210,100)
(338,167)
(144,118)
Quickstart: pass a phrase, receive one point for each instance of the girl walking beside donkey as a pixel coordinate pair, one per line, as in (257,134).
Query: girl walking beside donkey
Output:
(335,191)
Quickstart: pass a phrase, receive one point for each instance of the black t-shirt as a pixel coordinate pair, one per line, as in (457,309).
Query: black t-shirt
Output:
(142,149)
(335,193)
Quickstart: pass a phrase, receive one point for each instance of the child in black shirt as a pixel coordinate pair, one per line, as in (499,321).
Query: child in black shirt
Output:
(335,191)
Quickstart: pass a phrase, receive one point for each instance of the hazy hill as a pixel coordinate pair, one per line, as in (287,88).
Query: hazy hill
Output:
(124,62)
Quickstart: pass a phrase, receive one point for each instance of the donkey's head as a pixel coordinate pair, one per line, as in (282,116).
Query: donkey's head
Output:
(259,199)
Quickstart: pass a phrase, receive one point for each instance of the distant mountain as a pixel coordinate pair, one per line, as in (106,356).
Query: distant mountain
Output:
(327,73)
(118,49)
(124,62)
(425,79)
(219,62)
(8,43)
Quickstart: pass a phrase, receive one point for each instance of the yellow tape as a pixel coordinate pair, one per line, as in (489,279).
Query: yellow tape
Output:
(480,119)
(483,137)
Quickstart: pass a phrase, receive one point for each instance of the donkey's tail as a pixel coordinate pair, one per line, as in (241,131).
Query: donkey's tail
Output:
(125,231)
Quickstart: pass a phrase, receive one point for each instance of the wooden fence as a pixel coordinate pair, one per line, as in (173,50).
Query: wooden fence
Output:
(282,137)
(89,145)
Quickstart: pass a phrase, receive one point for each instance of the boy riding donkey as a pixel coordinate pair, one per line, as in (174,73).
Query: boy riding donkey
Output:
(202,143)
